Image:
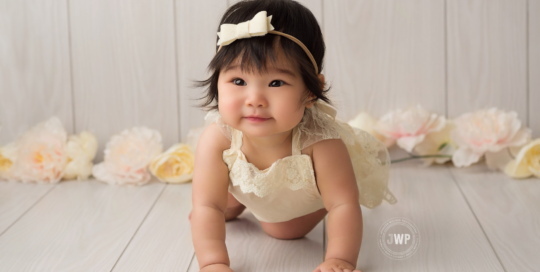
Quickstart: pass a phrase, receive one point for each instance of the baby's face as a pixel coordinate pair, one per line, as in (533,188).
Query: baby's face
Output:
(275,96)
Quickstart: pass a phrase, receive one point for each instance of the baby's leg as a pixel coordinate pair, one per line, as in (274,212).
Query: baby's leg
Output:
(234,208)
(295,228)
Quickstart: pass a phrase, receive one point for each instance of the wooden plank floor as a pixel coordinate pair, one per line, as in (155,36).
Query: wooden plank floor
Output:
(469,219)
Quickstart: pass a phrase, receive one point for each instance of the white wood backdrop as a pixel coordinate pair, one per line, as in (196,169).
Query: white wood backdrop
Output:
(105,66)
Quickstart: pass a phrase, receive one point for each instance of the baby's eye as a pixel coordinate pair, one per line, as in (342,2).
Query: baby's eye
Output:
(279,85)
(238,81)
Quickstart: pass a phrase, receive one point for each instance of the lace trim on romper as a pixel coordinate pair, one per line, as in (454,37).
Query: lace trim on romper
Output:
(369,157)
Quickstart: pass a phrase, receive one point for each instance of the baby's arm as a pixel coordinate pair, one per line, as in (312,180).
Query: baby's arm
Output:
(210,193)
(339,190)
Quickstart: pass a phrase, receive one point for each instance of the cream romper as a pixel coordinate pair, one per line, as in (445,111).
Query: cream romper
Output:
(288,188)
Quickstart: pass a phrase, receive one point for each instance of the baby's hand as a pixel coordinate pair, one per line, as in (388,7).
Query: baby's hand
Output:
(335,265)
(216,268)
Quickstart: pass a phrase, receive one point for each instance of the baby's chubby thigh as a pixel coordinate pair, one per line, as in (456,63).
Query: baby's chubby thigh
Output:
(294,228)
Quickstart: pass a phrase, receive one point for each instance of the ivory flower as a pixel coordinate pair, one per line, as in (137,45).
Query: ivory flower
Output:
(437,143)
(175,165)
(193,137)
(527,162)
(409,127)
(41,154)
(8,155)
(487,132)
(366,122)
(81,150)
(127,156)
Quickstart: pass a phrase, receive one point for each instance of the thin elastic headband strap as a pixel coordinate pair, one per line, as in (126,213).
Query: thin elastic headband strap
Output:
(296,41)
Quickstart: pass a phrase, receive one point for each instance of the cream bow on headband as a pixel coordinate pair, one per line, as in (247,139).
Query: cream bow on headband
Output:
(258,26)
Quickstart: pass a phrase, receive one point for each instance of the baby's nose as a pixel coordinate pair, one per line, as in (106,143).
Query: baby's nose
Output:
(256,99)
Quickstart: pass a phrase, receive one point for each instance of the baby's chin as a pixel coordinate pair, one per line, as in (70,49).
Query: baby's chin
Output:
(258,130)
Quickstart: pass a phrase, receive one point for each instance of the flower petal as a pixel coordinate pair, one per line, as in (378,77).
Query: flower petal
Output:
(517,170)
(465,157)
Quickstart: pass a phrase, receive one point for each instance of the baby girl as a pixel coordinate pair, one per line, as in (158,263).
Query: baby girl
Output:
(273,143)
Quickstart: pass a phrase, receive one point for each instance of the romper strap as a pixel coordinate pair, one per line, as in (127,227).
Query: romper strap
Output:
(296,142)
(236,141)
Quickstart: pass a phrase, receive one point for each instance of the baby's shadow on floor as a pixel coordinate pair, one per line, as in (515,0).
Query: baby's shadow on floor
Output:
(250,248)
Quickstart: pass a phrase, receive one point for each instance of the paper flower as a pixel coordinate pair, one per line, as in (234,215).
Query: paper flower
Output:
(41,155)
(81,150)
(127,156)
(527,162)
(437,143)
(366,122)
(487,132)
(193,137)
(8,155)
(175,165)
(409,127)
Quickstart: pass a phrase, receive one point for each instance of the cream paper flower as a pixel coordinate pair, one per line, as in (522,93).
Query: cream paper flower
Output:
(366,122)
(8,155)
(41,155)
(127,156)
(409,127)
(437,143)
(487,132)
(527,162)
(81,150)
(175,165)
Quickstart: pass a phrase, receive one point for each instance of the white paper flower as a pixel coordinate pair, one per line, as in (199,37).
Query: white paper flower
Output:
(127,156)
(41,154)
(8,155)
(487,132)
(81,150)
(437,143)
(366,122)
(409,127)
(175,165)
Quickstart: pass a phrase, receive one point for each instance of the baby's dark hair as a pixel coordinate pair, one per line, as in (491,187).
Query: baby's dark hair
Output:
(289,17)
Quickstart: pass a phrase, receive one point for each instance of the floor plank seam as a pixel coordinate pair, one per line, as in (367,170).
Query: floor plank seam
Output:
(475,217)
(27,210)
(137,230)
(191,262)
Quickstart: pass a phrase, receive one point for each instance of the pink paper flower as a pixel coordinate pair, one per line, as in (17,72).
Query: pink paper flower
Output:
(487,132)
(41,155)
(127,156)
(409,127)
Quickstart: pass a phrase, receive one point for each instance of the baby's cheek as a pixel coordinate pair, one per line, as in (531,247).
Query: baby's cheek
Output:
(230,110)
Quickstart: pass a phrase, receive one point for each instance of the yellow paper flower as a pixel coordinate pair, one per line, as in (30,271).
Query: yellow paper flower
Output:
(81,150)
(175,165)
(437,143)
(527,162)
(8,155)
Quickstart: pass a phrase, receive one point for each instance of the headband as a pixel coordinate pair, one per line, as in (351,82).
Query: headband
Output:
(258,26)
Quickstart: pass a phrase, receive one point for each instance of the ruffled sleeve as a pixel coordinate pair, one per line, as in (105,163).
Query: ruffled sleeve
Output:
(214,116)
(369,156)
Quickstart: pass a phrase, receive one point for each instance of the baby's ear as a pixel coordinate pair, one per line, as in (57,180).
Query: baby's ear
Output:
(311,100)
